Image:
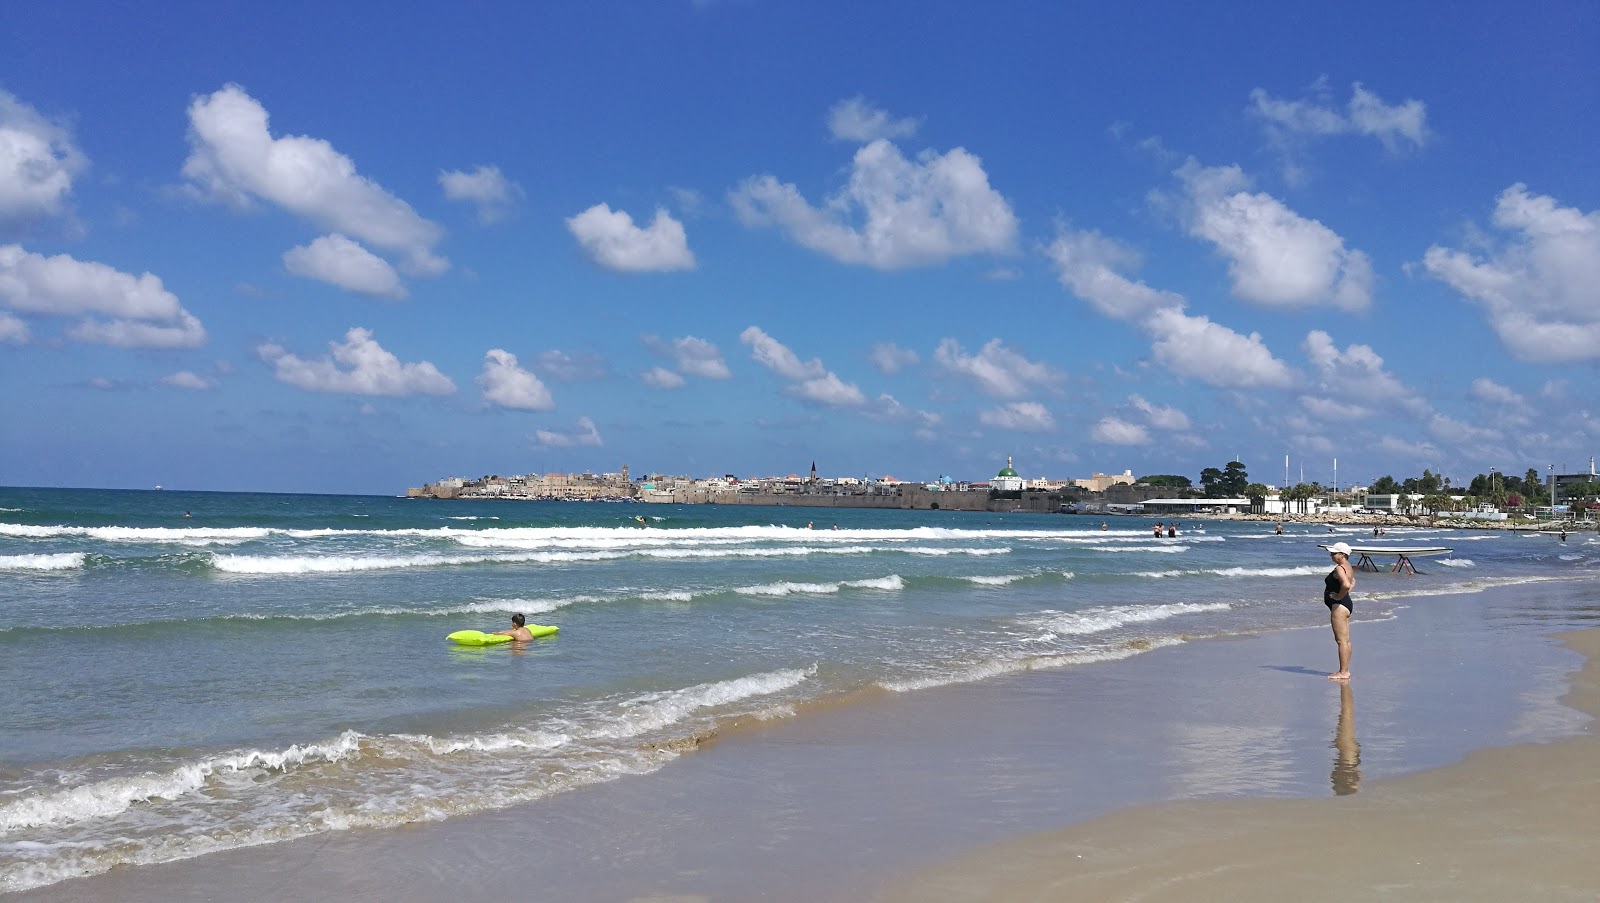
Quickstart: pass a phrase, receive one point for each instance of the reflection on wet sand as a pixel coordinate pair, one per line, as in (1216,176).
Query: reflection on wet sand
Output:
(1346,777)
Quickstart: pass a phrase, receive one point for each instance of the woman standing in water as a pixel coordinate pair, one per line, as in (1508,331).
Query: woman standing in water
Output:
(1336,595)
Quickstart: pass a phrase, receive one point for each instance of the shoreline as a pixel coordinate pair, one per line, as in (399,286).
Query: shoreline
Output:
(838,804)
(1513,822)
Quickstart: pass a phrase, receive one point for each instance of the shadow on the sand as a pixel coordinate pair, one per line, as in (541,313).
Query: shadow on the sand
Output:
(1297,669)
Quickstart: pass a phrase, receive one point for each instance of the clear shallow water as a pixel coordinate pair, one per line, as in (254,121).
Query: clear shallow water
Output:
(274,666)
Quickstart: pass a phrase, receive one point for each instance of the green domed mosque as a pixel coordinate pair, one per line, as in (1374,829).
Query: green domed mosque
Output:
(1006,484)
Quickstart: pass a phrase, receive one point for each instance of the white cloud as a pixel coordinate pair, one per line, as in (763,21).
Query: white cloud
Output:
(691,355)
(616,243)
(12,330)
(890,358)
(810,380)
(38,161)
(143,313)
(1194,346)
(1357,376)
(776,356)
(1492,393)
(339,261)
(1276,257)
(1088,265)
(184,331)
(1541,289)
(486,187)
(357,366)
(1415,451)
(662,378)
(1397,126)
(830,390)
(1116,431)
(509,386)
(1325,409)
(572,368)
(1026,416)
(1160,416)
(889,408)
(234,158)
(861,122)
(910,213)
(188,379)
(996,369)
(584,434)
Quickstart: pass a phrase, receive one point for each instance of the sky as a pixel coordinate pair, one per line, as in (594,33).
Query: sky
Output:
(357,247)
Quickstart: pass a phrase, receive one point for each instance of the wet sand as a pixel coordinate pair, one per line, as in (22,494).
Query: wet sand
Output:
(969,792)
(1516,823)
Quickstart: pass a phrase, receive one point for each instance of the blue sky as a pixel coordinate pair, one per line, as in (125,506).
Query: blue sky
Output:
(359,248)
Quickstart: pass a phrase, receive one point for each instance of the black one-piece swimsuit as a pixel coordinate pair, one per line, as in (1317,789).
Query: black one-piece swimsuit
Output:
(1330,592)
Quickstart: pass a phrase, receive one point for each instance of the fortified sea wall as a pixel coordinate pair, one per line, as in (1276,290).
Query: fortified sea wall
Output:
(906,498)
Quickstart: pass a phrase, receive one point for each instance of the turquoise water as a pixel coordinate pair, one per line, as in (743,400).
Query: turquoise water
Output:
(272,666)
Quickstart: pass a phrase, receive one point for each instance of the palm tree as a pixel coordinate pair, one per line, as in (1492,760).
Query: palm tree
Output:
(1257,494)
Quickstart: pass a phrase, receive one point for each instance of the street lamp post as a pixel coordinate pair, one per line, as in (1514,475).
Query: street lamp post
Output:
(1552,469)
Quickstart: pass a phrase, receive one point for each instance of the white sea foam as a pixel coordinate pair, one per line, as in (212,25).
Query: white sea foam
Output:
(786,588)
(1168,549)
(1299,571)
(1109,617)
(135,534)
(1458,562)
(654,711)
(998,580)
(335,564)
(58,561)
(111,797)
(996,667)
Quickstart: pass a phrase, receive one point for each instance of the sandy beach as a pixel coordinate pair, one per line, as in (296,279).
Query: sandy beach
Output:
(1515,823)
(1223,768)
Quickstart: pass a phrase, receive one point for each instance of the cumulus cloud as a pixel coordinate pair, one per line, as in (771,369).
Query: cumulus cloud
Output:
(856,120)
(356,366)
(584,434)
(1088,265)
(890,358)
(188,379)
(572,368)
(1358,377)
(1196,347)
(339,261)
(925,422)
(1116,431)
(12,330)
(662,378)
(1540,288)
(508,385)
(809,380)
(486,187)
(691,355)
(776,356)
(1160,416)
(830,390)
(1276,257)
(1024,416)
(235,159)
(141,312)
(894,213)
(1492,393)
(996,369)
(616,243)
(38,162)
(1398,126)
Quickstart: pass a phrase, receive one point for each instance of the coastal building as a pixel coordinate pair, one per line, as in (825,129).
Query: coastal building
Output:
(1100,482)
(1006,483)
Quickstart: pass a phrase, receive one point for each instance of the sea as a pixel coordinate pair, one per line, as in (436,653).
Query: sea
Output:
(190,672)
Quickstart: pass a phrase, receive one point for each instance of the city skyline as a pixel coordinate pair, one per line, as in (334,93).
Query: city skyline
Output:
(241,253)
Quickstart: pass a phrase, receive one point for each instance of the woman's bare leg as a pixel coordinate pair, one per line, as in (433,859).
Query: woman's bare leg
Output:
(1339,618)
